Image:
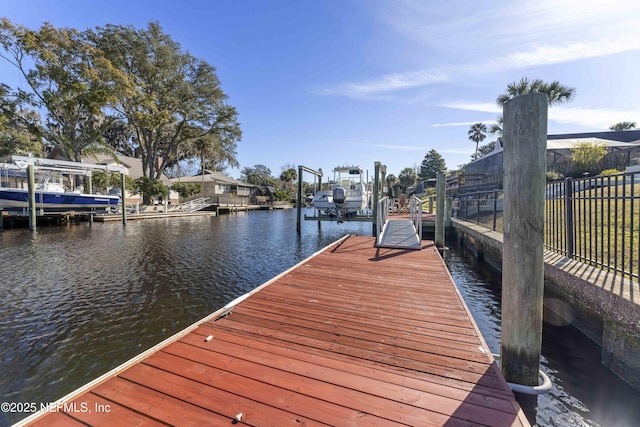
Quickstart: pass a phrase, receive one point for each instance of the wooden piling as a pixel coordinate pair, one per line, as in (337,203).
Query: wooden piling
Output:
(123,198)
(447,212)
(439,237)
(31,183)
(379,169)
(299,199)
(525,136)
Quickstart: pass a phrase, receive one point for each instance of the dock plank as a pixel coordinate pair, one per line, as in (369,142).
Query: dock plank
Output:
(355,336)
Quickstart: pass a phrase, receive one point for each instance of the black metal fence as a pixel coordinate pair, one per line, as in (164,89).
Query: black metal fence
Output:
(595,220)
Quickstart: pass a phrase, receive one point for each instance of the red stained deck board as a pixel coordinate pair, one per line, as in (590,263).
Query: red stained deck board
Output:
(352,336)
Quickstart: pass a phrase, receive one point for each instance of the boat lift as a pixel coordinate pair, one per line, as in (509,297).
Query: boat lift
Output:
(32,163)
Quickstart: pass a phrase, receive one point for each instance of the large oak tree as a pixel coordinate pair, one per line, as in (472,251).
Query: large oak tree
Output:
(176,103)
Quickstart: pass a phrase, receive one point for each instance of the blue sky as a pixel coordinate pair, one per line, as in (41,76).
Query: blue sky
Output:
(326,83)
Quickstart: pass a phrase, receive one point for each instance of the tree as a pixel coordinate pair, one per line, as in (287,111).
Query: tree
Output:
(173,101)
(257,175)
(391,181)
(586,157)
(477,134)
(102,181)
(623,126)
(556,92)
(16,136)
(407,178)
(432,164)
(70,80)
(150,188)
(288,176)
(186,189)
(485,149)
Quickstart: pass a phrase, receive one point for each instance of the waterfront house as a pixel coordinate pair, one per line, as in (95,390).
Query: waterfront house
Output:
(220,188)
(133,168)
(623,147)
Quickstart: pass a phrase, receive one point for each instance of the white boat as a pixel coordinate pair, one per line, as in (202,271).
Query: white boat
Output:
(347,194)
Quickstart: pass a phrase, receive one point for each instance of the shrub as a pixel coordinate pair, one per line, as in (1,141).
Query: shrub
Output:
(554,176)
(187,189)
(610,172)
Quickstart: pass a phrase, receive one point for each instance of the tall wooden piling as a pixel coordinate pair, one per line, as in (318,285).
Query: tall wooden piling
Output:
(439,237)
(299,199)
(380,172)
(31,183)
(447,211)
(524,160)
(123,198)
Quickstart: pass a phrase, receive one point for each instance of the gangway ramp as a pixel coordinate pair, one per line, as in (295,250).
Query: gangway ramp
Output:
(400,233)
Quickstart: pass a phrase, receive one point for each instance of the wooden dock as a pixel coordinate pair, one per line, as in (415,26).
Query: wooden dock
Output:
(352,336)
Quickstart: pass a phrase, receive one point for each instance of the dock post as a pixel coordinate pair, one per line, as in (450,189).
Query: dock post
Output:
(376,198)
(31,183)
(1,220)
(440,208)
(525,139)
(430,204)
(124,198)
(447,211)
(299,200)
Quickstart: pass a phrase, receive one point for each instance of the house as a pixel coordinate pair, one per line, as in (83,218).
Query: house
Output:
(623,148)
(263,194)
(133,168)
(220,187)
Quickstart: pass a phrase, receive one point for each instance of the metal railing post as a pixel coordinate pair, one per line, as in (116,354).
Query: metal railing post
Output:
(568,216)
(495,208)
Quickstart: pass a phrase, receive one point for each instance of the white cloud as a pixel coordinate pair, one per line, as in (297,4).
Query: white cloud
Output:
(600,118)
(386,83)
(486,107)
(592,117)
(438,125)
(547,32)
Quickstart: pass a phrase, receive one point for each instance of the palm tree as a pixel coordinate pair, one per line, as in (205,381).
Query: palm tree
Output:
(623,126)
(407,177)
(288,176)
(557,93)
(391,181)
(477,134)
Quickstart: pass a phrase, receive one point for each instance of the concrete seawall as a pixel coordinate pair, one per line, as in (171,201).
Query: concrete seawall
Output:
(601,305)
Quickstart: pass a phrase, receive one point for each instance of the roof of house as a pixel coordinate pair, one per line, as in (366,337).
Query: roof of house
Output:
(620,136)
(133,164)
(212,176)
(627,139)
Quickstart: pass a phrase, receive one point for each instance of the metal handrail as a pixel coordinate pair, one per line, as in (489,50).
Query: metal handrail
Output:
(383,213)
(415,214)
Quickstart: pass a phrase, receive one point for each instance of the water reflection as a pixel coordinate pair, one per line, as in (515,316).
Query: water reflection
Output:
(584,392)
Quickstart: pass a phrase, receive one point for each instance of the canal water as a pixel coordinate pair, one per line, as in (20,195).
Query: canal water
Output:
(78,300)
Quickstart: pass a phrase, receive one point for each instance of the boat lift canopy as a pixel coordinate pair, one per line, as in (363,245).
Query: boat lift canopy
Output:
(63,165)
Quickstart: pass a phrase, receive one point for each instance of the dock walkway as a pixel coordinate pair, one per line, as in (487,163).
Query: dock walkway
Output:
(352,336)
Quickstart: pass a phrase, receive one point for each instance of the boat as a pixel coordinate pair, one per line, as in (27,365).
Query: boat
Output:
(347,194)
(51,195)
